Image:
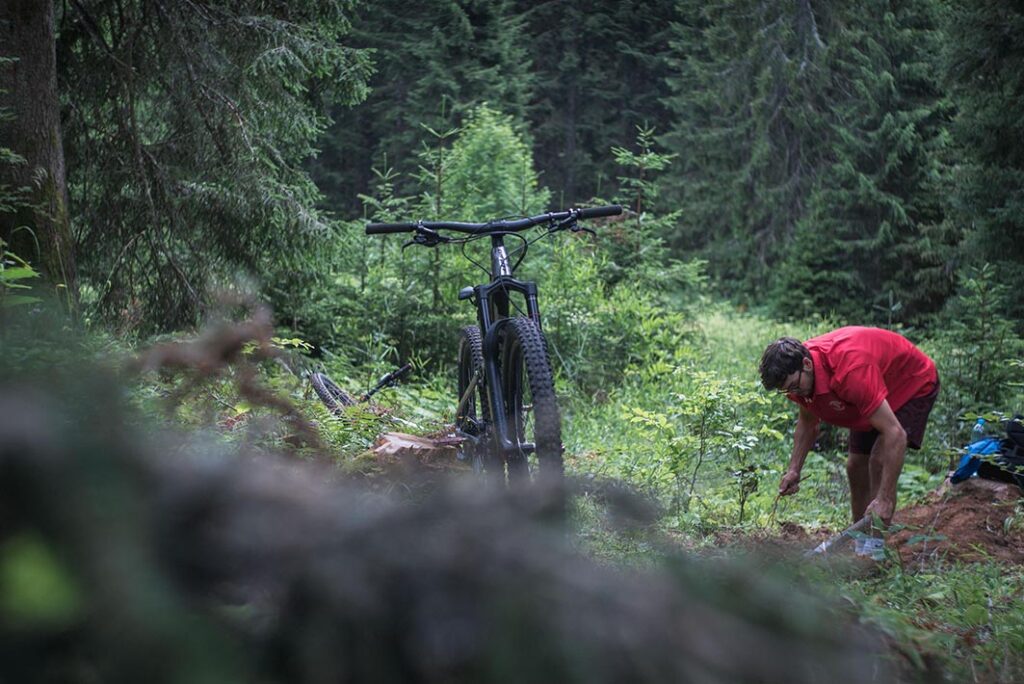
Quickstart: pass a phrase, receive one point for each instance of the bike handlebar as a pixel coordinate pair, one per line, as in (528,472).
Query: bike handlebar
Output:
(493,226)
(384,228)
(598,212)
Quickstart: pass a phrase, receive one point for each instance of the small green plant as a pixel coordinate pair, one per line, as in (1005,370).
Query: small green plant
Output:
(15,273)
(638,250)
(715,422)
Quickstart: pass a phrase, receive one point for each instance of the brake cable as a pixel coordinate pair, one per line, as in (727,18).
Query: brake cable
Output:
(522,248)
(470,259)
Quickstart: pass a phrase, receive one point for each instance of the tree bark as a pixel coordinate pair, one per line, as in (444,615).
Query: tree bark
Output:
(31,129)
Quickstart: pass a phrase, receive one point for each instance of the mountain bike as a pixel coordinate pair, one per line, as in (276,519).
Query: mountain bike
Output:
(507,415)
(336,399)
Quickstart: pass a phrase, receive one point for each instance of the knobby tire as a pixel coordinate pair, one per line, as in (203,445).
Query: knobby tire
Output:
(530,404)
(475,413)
(332,396)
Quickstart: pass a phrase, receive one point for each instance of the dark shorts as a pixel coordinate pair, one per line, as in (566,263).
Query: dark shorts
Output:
(913,416)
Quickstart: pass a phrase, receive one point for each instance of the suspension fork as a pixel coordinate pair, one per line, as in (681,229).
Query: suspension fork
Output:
(493,307)
(494,329)
(495,387)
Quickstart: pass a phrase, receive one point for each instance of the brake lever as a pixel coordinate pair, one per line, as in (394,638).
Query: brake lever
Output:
(426,237)
(571,223)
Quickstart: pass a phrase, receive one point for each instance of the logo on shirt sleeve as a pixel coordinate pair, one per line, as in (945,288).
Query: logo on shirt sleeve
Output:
(837,405)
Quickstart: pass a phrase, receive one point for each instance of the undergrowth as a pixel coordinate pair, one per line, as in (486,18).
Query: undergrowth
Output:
(689,427)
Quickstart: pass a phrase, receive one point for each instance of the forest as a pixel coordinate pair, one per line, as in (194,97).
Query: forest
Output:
(185,190)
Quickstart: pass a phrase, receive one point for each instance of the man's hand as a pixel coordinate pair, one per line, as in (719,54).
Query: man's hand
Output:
(883,508)
(790,483)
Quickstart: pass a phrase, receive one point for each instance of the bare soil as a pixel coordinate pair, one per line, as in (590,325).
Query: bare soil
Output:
(976,518)
(974,521)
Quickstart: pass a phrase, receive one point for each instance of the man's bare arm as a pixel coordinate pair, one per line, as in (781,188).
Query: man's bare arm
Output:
(892,449)
(803,439)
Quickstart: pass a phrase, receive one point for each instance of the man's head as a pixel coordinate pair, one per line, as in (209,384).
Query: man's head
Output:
(784,365)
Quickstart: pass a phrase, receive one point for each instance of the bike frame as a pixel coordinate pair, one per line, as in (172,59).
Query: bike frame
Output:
(492,303)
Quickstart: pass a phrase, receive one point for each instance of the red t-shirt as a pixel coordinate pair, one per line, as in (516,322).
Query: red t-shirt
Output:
(856,369)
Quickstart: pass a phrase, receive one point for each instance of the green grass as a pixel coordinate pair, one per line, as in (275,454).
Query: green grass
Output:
(702,402)
(965,621)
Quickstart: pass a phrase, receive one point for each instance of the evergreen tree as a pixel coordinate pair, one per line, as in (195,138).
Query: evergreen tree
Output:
(491,173)
(747,97)
(188,123)
(986,70)
(600,73)
(435,61)
(31,151)
(810,137)
(863,249)
(636,245)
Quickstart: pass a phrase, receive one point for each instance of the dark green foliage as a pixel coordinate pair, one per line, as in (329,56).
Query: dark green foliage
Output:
(637,242)
(978,343)
(579,76)
(489,174)
(810,138)
(747,95)
(10,197)
(812,165)
(985,65)
(434,62)
(863,237)
(15,272)
(599,74)
(187,126)
(32,162)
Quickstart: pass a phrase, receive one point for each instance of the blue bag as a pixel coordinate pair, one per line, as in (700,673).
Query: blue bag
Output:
(971,460)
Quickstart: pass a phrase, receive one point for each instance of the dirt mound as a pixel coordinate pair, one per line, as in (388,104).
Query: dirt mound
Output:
(971,521)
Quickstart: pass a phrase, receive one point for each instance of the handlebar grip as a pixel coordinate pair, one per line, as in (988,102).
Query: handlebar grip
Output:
(595,212)
(383,228)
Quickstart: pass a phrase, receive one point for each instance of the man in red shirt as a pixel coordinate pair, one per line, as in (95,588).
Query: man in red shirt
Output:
(873,381)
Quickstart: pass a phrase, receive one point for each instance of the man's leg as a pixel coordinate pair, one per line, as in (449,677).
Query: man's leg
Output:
(858,473)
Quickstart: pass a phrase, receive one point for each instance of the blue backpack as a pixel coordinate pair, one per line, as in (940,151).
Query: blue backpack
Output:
(995,458)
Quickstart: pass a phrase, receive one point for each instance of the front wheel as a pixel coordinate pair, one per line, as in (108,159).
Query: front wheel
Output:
(535,426)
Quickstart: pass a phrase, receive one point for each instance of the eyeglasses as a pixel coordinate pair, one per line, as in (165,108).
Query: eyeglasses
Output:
(793,387)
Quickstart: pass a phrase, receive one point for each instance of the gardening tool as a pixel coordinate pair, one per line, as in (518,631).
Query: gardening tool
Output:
(775,503)
(824,546)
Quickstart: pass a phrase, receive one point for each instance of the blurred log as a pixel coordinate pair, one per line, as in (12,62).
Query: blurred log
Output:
(421,448)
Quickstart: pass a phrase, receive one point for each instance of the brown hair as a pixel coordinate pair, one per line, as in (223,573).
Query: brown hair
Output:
(781,358)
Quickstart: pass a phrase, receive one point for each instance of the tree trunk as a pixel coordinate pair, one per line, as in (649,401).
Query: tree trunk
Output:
(31,129)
